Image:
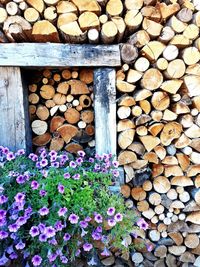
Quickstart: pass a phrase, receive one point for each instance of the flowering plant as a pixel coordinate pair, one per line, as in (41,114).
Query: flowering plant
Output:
(54,207)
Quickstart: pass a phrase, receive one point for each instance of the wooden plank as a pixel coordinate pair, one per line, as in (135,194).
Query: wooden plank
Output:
(59,55)
(14,122)
(105,110)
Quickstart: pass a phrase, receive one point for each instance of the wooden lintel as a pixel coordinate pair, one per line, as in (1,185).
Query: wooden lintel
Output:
(59,55)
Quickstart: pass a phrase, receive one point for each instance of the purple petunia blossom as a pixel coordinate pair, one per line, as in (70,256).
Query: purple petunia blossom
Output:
(3,234)
(99,229)
(111,222)
(81,153)
(13,227)
(64,259)
(98,218)
(67,237)
(96,236)
(34,231)
(73,218)
(58,226)
(28,212)
(53,153)
(52,257)
(21,220)
(50,232)
(67,175)
(35,185)
(43,237)
(72,164)
(20,152)
(44,173)
(43,153)
(64,157)
(111,211)
(43,193)
(91,160)
(87,246)
(10,156)
(3,213)
(2,221)
(61,189)
(76,176)
(88,219)
(55,164)
(10,249)
(142,224)
(115,173)
(3,260)
(20,179)
(43,211)
(20,245)
(5,150)
(3,199)
(83,224)
(118,217)
(36,260)
(105,252)
(78,252)
(79,161)
(115,163)
(38,165)
(62,211)
(53,242)
(13,256)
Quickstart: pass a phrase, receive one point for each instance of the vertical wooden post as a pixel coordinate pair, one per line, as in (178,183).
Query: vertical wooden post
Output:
(105,110)
(14,119)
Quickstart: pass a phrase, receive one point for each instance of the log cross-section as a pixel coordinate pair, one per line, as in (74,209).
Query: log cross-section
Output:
(105,110)
(14,121)
(59,55)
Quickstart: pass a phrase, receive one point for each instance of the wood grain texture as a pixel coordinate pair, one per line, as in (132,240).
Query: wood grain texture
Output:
(14,120)
(105,110)
(62,55)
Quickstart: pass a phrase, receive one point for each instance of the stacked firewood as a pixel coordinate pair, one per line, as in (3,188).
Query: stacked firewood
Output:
(159,131)
(61,109)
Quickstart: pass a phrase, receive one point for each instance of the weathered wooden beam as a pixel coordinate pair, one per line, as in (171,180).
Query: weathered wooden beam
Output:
(14,119)
(105,110)
(59,55)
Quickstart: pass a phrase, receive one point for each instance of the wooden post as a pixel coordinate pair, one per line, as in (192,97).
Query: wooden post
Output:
(105,110)
(13,110)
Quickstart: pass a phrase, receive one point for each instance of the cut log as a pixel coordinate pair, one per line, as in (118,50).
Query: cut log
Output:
(56,144)
(87,5)
(150,142)
(153,50)
(129,53)
(108,32)
(126,157)
(160,100)
(152,79)
(37,4)
(125,138)
(133,19)
(44,31)
(67,132)
(47,91)
(72,116)
(42,112)
(39,127)
(42,140)
(114,8)
(171,131)
(161,184)
(88,20)
(175,69)
(78,87)
(191,241)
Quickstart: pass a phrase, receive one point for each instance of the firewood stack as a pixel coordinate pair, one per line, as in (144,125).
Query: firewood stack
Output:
(61,109)
(159,130)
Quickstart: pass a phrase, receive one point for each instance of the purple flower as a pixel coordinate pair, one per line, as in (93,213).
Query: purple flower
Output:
(61,188)
(13,256)
(111,211)
(72,164)
(43,237)
(76,176)
(53,242)
(3,199)
(2,221)
(20,152)
(79,161)
(43,193)
(52,257)
(88,219)
(33,157)
(42,227)
(64,259)
(55,164)
(115,173)
(43,162)
(91,160)
(10,156)
(50,232)
(99,229)
(43,211)
(36,260)
(3,234)
(10,249)
(142,224)
(19,197)
(115,163)
(64,157)
(83,224)
(13,227)
(62,211)
(87,247)
(97,167)
(59,226)
(111,222)
(28,212)
(3,260)
(81,153)
(21,220)
(43,153)
(44,173)
(66,237)
(96,236)
(38,165)
(53,153)
(83,232)
(73,218)
(2,213)
(78,252)
(149,247)
(20,246)
(98,218)
(34,231)
(105,252)
(118,217)
(35,185)
(67,175)
(20,179)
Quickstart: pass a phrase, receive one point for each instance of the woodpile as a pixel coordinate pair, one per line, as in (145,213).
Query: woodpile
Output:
(61,109)
(159,129)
